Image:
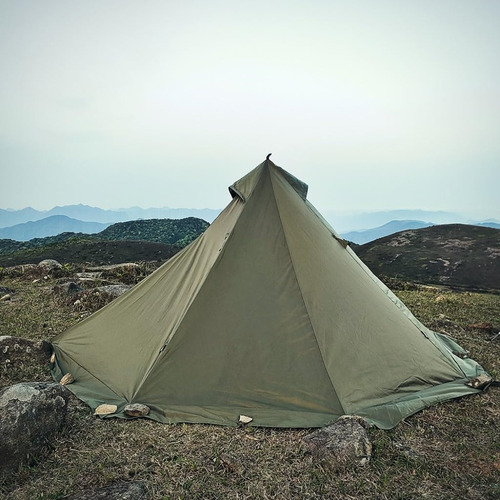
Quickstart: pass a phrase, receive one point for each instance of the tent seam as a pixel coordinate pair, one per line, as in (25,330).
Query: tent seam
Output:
(303,300)
(187,308)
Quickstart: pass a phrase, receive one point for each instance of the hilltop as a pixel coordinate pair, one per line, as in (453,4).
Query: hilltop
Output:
(457,255)
(156,239)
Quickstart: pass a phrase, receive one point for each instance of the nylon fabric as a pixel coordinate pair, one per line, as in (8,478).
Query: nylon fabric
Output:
(267,314)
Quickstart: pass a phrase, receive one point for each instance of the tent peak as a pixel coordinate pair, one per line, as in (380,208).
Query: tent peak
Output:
(244,187)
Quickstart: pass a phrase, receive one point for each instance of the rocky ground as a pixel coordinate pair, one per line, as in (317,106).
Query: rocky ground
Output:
(448,451)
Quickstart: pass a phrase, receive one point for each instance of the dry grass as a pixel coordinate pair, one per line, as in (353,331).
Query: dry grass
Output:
(448,451)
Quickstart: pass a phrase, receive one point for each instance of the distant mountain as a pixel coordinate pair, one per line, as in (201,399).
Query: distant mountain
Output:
(344,222)
(394,226)
(93,214)
(495,225)
(458,255)
(135,240)
(50,226)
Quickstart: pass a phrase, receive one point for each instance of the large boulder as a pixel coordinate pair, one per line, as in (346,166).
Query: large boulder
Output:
(120,490)
(30,414)
(345,441)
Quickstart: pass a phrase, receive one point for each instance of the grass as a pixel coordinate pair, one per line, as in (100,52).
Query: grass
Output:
(448,451)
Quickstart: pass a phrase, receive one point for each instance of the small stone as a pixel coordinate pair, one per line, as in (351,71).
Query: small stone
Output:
(136,410)
(479,382)
(67,379)
(244,419)
(5,297)
(105,409)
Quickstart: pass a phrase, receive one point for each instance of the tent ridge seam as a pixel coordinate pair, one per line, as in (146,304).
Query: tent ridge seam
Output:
(303,301)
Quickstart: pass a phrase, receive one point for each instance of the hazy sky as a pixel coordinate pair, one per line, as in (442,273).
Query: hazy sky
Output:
(376,104)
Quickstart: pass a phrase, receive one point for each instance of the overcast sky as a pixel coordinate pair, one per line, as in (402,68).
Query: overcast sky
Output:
(375,104)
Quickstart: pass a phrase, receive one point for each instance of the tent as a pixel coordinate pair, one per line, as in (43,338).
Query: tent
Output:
(268,314)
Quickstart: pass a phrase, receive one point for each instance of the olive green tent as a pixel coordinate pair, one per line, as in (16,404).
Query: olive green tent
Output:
(268,314)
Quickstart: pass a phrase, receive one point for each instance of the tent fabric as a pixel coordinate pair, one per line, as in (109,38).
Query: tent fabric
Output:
(267,314)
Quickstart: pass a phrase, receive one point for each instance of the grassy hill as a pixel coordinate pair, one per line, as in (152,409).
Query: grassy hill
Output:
(458,255)
(156,239)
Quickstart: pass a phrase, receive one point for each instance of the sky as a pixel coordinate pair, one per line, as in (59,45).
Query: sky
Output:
(375,104)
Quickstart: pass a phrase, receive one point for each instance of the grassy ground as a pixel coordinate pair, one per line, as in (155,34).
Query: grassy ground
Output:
(449,451)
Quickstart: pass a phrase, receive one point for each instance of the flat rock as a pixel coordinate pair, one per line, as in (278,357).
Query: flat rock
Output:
(125,266)
(30,414)
(120,490)
(114,290)
(346,440)
(88,276)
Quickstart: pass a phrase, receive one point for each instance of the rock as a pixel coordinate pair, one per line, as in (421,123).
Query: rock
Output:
(19,351)
(243,419)
(67,379)
(480,382)
(345,440)
(49,265)
(30,414)
(125,266)
(85,276)
(119,490)
(136,410)
(114,290)
(105,409)
(69,288)
(5,297)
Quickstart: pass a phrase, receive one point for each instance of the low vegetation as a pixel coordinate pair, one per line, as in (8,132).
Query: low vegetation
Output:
(448,451)
(457,255)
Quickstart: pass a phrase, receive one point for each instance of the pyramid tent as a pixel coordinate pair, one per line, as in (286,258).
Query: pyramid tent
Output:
(268,314)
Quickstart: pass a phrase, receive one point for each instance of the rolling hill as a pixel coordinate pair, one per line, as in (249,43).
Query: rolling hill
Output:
(457,255)
(128,241)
